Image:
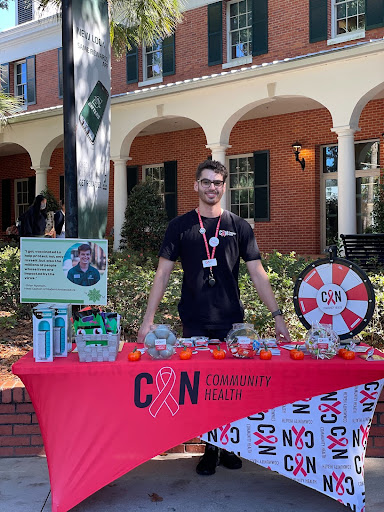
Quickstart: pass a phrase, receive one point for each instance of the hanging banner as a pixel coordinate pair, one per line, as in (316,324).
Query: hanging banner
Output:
(92,76)
(63,270)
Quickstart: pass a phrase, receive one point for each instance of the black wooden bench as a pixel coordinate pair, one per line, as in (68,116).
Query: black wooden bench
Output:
(367,251)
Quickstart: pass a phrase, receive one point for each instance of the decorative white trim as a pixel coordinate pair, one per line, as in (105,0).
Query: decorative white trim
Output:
(238,62)
(152,81)
(349,36)
(30,38)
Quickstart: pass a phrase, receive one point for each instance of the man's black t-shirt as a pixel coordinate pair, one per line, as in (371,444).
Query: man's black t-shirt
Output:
(218,306)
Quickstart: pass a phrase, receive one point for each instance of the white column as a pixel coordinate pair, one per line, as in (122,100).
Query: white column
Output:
(119,197)
(219,153)
(346,181)
(41,178)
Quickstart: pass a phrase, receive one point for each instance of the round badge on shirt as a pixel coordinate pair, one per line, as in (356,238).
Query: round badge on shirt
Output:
(214,241)
(202,231)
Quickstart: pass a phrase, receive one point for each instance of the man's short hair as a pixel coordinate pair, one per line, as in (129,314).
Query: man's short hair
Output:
(84,248)
(212,165)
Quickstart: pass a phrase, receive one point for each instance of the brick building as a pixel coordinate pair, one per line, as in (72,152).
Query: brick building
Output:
(241,80)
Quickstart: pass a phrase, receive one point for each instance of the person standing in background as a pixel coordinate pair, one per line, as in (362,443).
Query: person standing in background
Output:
(34,220)
(59,220)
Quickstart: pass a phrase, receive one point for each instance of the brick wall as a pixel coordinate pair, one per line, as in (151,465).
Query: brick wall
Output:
(288,30)
(295,195)
(20,432)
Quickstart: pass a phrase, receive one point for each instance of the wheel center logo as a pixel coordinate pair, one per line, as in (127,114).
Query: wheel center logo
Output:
(331,299)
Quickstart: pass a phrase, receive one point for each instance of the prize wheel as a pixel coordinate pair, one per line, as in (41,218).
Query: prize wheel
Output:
(334,291)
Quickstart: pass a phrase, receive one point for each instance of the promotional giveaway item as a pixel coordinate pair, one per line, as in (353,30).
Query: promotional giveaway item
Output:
(240,340)
(97,335)
(43,318)
(322,342)
(160,342)
(62,329)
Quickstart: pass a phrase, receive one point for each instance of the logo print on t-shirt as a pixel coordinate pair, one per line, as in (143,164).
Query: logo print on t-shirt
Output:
(222,232)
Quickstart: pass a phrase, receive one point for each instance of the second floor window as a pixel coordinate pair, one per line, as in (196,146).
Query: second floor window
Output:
(349,16)
(153,61)
(240,29)
(25,86)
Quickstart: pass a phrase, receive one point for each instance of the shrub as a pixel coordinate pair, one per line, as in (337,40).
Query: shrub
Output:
(10,283)
(145,219)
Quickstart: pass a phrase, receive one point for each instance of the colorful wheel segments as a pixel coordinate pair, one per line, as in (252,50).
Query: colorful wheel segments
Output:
(335,292)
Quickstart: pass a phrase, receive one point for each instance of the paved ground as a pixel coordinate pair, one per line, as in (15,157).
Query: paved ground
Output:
(24,487)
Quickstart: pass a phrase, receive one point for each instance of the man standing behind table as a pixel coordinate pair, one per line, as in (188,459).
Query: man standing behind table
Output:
(209,242)
(83,273)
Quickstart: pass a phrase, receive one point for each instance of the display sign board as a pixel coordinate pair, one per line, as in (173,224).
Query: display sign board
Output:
(64,270)
(92,77)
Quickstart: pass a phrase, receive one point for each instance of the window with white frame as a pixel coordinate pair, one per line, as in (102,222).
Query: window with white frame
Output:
(21,80)
(24,80)
(240,187)
(349,16)
(157,175)
(367,173)
(21,197)
(153,61)
(239,26)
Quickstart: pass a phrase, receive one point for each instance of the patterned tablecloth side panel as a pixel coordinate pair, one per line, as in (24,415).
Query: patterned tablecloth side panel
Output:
(319,442)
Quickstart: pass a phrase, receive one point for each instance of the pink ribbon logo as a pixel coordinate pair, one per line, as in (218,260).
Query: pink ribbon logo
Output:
(343,441)
(265,439)
(299,443)
(330,297)
(299,459)
(339,483)
(330,407)
(365,432)
(367,396)
(224,439)
(165,382)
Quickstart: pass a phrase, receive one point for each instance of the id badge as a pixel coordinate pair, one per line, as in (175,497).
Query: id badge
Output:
(210,263)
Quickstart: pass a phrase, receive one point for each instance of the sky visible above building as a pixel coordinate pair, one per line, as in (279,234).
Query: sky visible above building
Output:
(8,16)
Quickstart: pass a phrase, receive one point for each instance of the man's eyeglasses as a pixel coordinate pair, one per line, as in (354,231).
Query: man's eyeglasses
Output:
(206,183)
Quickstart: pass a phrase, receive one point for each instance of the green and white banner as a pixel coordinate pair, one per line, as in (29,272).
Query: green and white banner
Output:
(63,270)
(92,77)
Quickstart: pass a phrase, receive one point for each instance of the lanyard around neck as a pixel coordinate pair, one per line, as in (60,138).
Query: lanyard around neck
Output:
(205,237)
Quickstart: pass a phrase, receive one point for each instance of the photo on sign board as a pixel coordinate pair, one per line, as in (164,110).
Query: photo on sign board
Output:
(84,263)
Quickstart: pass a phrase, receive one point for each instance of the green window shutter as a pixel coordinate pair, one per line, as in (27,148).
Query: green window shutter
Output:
(60,70)
(318,20)
(170,188)
(32,190)
(261,184)
(259,27)
(132,65)
(31,82)
(5,204)
(168,54)
(132,177)
(4,78)
(215,34)
(374,14)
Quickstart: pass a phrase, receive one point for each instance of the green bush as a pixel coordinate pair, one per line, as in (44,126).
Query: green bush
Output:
(10,283)
(145,219)
(130,277)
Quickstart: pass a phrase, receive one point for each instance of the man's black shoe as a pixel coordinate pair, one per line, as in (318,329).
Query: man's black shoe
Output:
(230,460)
(208,462)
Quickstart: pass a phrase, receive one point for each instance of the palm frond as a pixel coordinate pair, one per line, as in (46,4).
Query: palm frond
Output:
(134,22)
(9,105)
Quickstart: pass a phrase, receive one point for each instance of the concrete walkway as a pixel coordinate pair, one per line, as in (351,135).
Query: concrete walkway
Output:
(24,487)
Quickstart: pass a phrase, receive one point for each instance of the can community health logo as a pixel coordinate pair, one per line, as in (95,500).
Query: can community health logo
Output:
(161,390)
